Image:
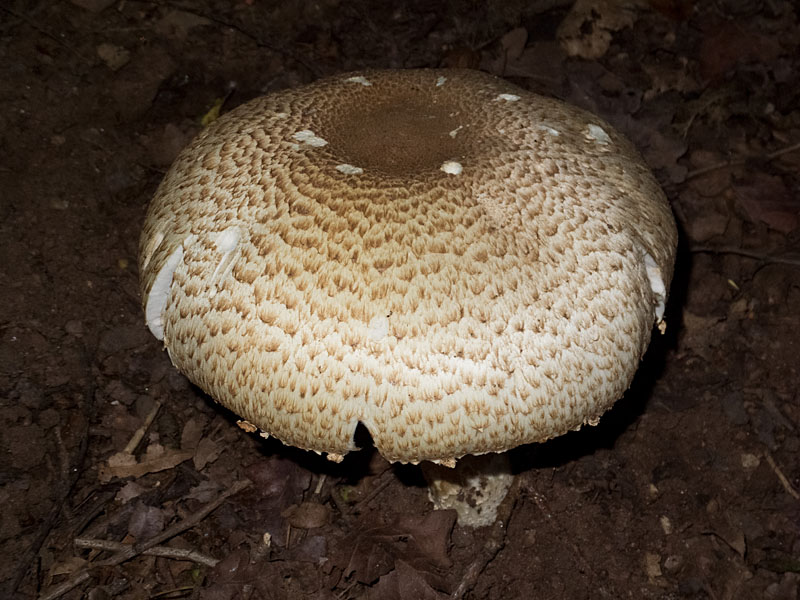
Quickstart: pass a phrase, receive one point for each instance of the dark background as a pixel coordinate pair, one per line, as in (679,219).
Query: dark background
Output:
(686,489)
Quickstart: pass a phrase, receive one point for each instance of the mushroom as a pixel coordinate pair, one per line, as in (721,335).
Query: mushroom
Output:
(458,264)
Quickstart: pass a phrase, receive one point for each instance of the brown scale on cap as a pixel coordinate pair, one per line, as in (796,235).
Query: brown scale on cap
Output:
(458,264)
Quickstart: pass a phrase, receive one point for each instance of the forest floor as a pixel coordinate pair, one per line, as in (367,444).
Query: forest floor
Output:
(687,488)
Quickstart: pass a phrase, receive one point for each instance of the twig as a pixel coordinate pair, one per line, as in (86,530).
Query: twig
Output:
(70,478)
(281,49)
(494,543)
(31,23)
(372,494)
(139,433)
(134,550)
(738,162)
(725,164)
(174,591)
(165,551)
(784,260)
(782,478)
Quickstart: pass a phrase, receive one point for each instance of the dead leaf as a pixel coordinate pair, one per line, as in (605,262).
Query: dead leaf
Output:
(461,57)
(402,583)
(278,477)
(678,10)
(307,515)
(178,23)
(588,28)
(66,567)
(731,534)
(146,521)
(94,6)
(165,145)
(129,491)
(205,491)
(650,131)
(700,335)
(513,43)
(714,181)
(115,57)
(207,452)
(312,549)
(431,533)
(766,198)
(729,43)
(125,465)
(121,459)
(191,434)
(421,541)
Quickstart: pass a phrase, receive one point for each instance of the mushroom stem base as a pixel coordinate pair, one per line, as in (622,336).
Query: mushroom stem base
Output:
(474,488)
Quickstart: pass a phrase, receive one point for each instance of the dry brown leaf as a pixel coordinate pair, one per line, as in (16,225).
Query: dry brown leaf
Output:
(129,491)
(178,23)
(421,541)
(66,567)
(307,515)
(191,434)
(729,43)
(513,43)
(700,335)
(146,521)
(587,29)
(124,465)
(766,198)
(207,452)
(115,57)
(402,583)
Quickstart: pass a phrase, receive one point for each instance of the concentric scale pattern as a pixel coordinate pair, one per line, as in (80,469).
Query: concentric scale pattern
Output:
(458,264)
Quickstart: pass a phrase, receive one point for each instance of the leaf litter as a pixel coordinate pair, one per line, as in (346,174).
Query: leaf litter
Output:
(686,489)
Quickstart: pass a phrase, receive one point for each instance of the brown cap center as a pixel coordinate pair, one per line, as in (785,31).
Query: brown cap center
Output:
(400,137)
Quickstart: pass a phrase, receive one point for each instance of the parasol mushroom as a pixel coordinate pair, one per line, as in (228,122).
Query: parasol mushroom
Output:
(459,265)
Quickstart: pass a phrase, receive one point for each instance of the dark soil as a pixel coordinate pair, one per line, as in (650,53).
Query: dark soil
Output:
(688,488)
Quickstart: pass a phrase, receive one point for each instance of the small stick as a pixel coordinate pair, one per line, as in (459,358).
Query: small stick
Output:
(32,23)
(67,485)
(320,483)
(784,260)
(139,433)
(130,551)
(782,478)
(739,162)
(371,495)
(165,551)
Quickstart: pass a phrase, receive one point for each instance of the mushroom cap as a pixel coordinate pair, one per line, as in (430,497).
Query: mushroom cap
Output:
(459,264)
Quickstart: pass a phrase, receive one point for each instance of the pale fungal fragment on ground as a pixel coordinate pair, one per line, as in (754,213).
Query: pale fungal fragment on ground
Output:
(452,167)
(349,169)
(247,426)
(306,136)
(465,356)
(474,490)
